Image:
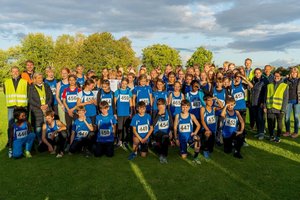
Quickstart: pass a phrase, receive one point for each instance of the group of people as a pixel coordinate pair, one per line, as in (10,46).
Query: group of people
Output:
(190,108)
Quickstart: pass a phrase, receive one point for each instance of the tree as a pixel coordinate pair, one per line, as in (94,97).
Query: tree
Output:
(102,50)
(38,48)
(200,57)
(160,55)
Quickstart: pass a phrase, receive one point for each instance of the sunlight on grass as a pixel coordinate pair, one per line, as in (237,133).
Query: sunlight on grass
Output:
(238,179)
(274,149)
(292,143)
(142,180)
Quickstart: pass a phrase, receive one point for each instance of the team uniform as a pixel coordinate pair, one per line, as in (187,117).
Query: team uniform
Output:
(158,95)
(211,123)
(185,129)
(142,125)
(143,93)
(80,81)
(52,84)
(175,104)
(109,98)
(105,135)
(91,109)
(21,137)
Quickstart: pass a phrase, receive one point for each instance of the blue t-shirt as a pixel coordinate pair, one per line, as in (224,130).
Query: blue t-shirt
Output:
(142,124)
(80,128)
(143,94)
(230,125)
(20,132)
(105,128)
(91,109)
(52,84)
(50,130)
(123,101)
(158,95)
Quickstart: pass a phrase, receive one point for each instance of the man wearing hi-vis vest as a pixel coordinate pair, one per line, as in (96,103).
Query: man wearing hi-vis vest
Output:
(40,99)
(15,90)
(276,103)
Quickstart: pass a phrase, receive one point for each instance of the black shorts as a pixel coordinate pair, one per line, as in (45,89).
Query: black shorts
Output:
(144,147)
(104,148)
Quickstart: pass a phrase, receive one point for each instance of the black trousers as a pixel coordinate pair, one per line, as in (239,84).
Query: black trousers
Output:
(59,141)
(207,142)
(235,141)
(259,119)
(77,146)
(104,148)
(272,118)
(162,143)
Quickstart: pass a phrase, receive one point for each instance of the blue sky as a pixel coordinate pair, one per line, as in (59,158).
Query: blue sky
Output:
(268,31)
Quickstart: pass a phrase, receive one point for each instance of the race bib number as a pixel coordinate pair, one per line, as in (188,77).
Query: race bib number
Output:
(88,98)
(143,129)
(72,98)
(211,120)
(239,96)
(108,100)
(21,134)
(50,135)
(176,102)
(163,124)
(104,132)
(82,133)
(53,90)
(230,122)
(145,100)
(196,104)
(185,128)
(124,98)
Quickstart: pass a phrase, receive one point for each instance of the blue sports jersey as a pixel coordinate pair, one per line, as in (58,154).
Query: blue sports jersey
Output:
(20,132)
(62,88)
(71,97)
(123,102)
(91,109)
(109,98)
(142,124)
(50,130)
(184,128)
(170,88)
(238,93)
(175,104)
(221,95)
(158,95)
(105,128)
(230,125)
(163,124)
(210,120)
(80,81)
(80,128)
(52,84)
(143,94)
(194,99)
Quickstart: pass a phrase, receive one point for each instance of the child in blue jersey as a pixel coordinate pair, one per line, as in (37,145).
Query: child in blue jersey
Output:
(160,93)
(143,93)
(183,131)
(82,133)
(70,96)
(170,82)
(142,129)
(209,124)
(232,138)
(187,87)
(196,98)
(123,103)
(105,94)
(80,76)
(60,87)
(20,135)
(163,128)
(220,93)
(239,94)
(106,131)
(52,82)
(175,99)
(87,99)
(53,135)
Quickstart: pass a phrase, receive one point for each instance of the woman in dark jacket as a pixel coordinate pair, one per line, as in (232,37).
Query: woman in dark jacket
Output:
(293,105)
(40,100)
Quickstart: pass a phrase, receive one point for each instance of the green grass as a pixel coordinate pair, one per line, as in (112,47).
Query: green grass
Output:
(268,171)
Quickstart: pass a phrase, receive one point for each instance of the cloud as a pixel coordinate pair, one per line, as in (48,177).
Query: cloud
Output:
(284,62)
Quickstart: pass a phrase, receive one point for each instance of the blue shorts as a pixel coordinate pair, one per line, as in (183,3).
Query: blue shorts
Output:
(183,141)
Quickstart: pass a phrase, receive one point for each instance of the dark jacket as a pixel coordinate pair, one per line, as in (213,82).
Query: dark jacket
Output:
(258,92)
(35,103)
(294,89)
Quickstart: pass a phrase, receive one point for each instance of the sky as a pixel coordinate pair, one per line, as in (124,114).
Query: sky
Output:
(267,31)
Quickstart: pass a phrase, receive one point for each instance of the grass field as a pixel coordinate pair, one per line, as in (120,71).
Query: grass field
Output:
(268,171)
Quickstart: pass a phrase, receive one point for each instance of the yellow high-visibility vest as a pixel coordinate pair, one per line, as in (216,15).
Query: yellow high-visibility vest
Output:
(16,97)
(42,94)
(275,98)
